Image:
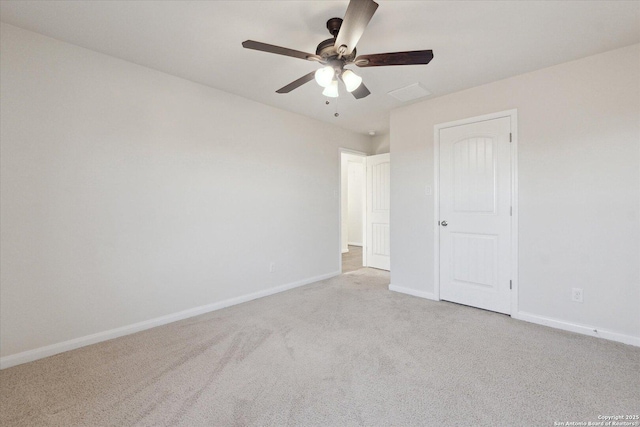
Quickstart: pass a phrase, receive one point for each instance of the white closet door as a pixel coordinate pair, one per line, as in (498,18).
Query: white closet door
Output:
(475,218)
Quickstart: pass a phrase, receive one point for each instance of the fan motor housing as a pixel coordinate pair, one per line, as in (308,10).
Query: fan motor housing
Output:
(327,48)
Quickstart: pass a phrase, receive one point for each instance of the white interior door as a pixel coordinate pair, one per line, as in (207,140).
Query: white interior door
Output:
(377,236)
(475,214)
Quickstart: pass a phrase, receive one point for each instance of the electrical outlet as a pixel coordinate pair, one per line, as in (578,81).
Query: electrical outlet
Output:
(576,294)
(272,267)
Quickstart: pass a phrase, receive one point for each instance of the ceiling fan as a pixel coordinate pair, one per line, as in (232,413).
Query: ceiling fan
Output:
(340,50)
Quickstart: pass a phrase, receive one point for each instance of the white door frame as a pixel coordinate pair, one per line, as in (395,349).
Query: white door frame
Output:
(513,115)
(364,211)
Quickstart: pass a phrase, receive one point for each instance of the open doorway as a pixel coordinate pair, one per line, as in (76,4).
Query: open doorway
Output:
(352,209)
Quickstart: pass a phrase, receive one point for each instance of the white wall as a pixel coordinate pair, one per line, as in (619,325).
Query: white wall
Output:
(579,188)
(356,188)
(347,217)
(344,203)
(128,194)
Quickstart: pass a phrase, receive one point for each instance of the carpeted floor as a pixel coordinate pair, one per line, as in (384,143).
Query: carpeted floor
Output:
(352,260)
(341,352)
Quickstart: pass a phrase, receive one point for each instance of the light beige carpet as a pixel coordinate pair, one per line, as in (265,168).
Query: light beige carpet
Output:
(341,352)
(352,260)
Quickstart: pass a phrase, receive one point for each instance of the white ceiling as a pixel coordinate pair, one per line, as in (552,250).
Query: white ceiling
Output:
(474,42)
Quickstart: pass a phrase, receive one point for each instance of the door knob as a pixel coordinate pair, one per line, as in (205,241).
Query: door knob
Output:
(444,223)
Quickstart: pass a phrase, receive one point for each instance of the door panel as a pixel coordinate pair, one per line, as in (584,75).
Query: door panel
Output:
(378,206)
(474,164)
(380,244)
(475,206)
(475,261)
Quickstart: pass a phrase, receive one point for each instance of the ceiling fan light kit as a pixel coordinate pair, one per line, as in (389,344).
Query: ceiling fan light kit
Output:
(351,80)
(324,76)
(331,90)
(340,50)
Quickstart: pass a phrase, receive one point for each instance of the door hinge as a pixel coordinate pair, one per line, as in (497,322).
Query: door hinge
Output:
(510,284)
(510,210)
(510,137)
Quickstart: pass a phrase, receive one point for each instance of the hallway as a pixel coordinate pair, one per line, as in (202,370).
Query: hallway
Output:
(352,260)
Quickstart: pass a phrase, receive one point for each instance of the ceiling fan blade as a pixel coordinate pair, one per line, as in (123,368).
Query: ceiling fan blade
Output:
(264,47)
(396,58)
(297,83)
(361,92)
(356,19)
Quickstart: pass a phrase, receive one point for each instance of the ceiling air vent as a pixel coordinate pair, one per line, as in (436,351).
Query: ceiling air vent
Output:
(409,93)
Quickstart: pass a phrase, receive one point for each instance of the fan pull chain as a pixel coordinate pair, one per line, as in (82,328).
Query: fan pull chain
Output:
(327,102)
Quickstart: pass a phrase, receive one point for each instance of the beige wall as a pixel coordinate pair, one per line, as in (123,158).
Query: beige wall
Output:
(579,187)
(381,143)
(128,194)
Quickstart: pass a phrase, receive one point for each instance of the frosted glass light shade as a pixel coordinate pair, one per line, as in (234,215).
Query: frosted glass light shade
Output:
(331,90)
(324,76)
(351,80)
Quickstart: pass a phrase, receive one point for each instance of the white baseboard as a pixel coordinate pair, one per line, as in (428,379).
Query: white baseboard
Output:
(580,329)
(413,292)
(542,320)
(354,244)
(50,350)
